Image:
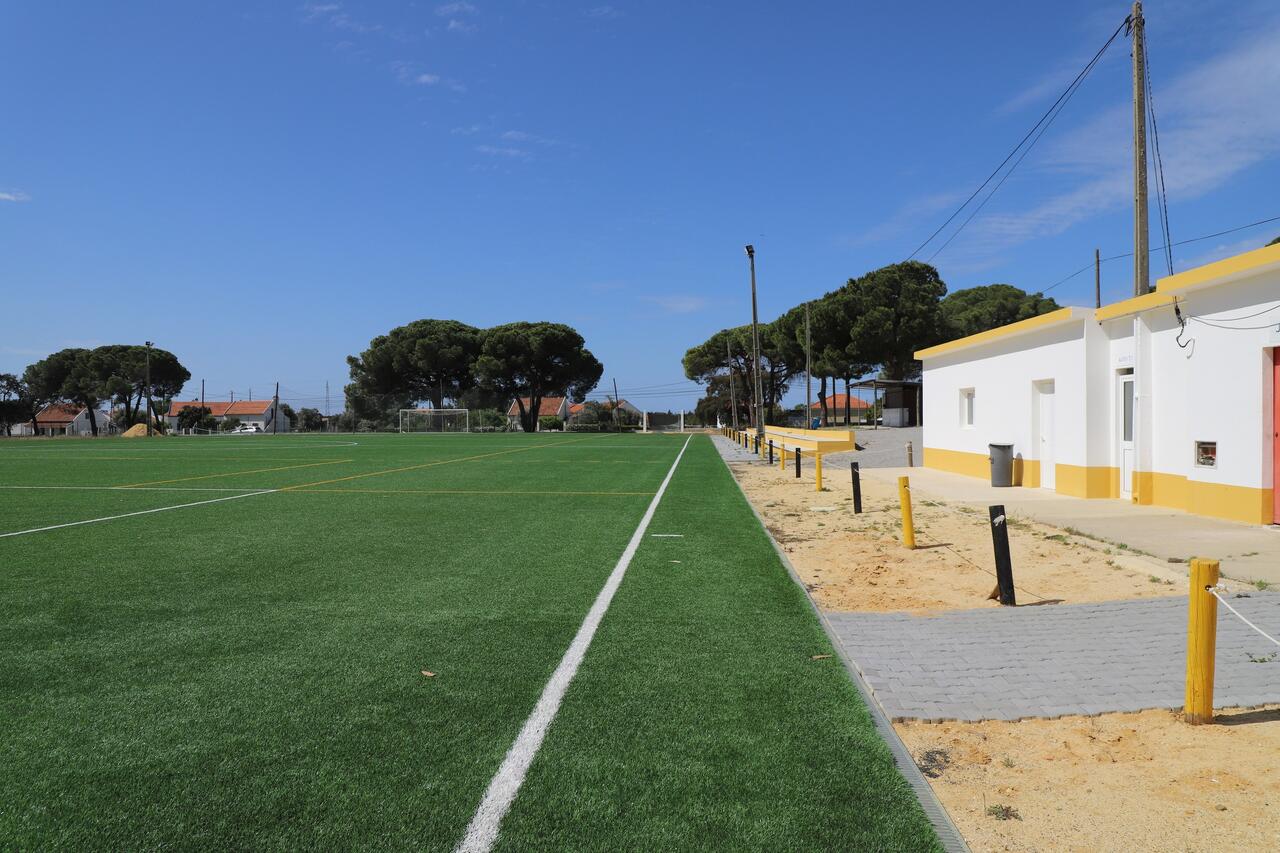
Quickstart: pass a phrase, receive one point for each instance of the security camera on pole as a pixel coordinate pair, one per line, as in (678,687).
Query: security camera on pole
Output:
(755,346)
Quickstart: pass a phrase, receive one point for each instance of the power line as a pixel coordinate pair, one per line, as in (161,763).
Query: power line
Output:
(1155,144)
(1158,248)
(1048,116)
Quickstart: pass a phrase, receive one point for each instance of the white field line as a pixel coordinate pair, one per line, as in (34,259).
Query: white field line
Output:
(131,514)
(139,488)
(482,832)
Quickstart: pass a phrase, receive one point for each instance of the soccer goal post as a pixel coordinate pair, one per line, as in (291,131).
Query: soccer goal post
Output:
(435,420)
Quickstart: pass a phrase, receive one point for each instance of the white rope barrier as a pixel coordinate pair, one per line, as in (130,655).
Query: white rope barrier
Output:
(1214,591)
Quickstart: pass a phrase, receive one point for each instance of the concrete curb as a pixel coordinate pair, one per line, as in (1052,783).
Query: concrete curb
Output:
(948,834)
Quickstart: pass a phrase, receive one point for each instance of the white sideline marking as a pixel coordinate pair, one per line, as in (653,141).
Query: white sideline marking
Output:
(139,488)
(131,514)
(667,535)
(482,832)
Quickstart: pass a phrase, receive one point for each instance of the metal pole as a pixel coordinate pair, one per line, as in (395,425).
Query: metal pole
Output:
(617,425)
(326,398)
(733,400)
(755,344)
(149,345)
(202,393)
(1004,565)
(275,411)
(1141,255)
(1097,279)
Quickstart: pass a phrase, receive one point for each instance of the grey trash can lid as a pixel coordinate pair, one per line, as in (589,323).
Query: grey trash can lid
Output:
(1000,444)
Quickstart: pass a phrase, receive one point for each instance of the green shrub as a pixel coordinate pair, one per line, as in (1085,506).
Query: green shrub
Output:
(551,423)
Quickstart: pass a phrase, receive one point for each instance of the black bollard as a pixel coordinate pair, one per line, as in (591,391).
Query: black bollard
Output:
(857,487)
(1004,564)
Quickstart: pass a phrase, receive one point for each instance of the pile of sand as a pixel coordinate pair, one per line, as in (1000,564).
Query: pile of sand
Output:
(136,431)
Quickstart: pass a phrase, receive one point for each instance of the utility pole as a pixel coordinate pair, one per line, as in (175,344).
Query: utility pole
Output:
(202,393)
(326,398)
(808,373)
(733,400)
(1097,279)
(149,345)
(1141,254)
(616,425)
(755,346)
(275,411)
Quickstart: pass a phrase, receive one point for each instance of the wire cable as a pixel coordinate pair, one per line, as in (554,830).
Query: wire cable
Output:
(1155,146)
(1049,113)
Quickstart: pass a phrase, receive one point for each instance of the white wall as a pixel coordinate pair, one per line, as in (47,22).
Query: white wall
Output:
(1003,374)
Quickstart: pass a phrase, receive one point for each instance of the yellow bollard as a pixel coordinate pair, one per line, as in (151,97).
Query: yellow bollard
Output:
(782,457)
(817,471)
(908,525)
(1202,641)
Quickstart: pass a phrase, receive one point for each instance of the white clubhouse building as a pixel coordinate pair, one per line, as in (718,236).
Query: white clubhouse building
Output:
(1171,398)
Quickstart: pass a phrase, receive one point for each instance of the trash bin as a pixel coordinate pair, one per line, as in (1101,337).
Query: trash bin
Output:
(1001,464)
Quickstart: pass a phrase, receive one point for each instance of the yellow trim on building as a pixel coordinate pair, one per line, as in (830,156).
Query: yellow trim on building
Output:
(1087,481)
(1170,287)
(958,462)
(1217,500)
(1226,269)
(1031,324)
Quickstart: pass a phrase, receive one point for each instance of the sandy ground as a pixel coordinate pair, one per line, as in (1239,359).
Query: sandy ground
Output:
(1143,781)
(1119,782)
(857,562)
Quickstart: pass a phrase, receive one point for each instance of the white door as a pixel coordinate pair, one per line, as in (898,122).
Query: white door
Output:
(1125,430)
(1045,421)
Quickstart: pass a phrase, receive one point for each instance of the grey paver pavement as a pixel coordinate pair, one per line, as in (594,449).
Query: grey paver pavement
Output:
(1049,661)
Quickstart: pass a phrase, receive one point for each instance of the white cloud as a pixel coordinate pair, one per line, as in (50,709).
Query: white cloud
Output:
(603,12)
(332,14)
(14,195)
(466,130)
(411,74)
(457,26)
(525,136)
(508,151)
(1216,119)
(677,304)
(461,7)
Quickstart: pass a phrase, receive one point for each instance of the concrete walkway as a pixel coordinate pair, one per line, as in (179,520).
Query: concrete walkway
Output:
(1010,663)
(1247,551)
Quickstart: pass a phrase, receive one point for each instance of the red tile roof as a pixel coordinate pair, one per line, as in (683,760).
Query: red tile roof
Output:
(58,414)
(576,408)
(550,407)
(221,408)
(836,402)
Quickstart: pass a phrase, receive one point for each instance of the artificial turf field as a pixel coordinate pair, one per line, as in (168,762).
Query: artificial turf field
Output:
(247,670)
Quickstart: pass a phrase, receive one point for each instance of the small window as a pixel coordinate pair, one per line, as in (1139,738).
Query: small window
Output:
(966,407)
(1207,454)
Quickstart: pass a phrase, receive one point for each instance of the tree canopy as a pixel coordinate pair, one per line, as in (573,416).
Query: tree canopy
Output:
(874,322)
(114,372)
(976,309)
(422,360)
(534,360)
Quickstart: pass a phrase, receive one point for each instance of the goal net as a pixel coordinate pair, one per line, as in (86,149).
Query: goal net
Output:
(435,420)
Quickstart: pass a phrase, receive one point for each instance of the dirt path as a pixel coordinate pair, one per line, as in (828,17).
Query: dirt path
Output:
(857,562)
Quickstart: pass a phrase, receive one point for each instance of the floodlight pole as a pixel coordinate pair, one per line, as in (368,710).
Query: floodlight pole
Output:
(148,389)
(755,346)
(1141,256)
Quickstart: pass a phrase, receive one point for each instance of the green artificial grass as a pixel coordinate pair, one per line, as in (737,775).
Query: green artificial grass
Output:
(249,673)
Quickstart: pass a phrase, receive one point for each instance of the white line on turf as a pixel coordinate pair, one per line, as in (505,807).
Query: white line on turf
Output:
(482,832)
(140,488)
(131,514)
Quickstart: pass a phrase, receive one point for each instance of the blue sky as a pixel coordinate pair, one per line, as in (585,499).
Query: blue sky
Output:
(262,187)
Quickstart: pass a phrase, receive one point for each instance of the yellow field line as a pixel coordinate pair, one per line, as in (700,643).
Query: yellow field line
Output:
(233,473)
(426,465)
(301,490)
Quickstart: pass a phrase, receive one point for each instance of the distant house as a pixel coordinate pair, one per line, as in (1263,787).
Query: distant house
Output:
(836,408)
(63,419)
(606,407)
(551,407)
(259,413)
